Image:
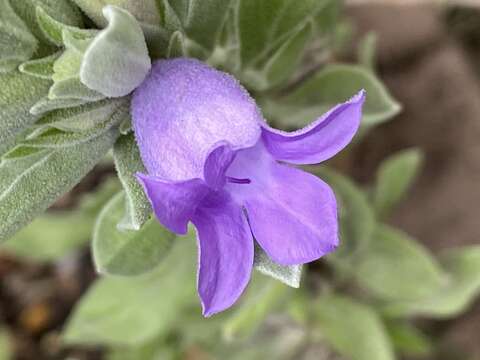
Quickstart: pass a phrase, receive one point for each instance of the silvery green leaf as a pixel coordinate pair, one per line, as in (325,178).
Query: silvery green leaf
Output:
(78,40)
(44,105)
(394,265)
(67,65)
(367,50)
(357,218)
(30,184)
(201,20)
(17,44)
(51,137)
(455,296)
(176,46)
(394,178)
(282,62)
(353,329)
(128,162)
(286,58)
(148,306)
(61,10)
(53,29)
(41,68)
(117,60)
(262,298)
(18,93)
(409,339)
(126,126)
(128,252)
(331,85)
(72,88)
(289,275)
(144,11)
(52,236)
(82,118)
(264,25)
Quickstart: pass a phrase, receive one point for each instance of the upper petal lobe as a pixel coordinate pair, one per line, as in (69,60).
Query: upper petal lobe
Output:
(320,140)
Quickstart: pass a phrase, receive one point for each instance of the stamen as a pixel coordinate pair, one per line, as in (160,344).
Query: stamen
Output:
(238,181)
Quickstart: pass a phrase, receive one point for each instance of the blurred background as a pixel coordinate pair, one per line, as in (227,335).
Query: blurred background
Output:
(428,55)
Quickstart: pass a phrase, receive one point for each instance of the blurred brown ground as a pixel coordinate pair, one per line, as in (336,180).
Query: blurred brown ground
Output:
(424,62)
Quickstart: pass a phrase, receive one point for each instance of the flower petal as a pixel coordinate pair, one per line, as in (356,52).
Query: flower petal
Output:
(182,109)
(174,203)
(217,164)
(226,252)
(292,214)
(320,140)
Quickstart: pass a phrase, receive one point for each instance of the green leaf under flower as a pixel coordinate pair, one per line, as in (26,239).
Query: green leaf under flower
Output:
(128,162)
(128,252)
(166,292)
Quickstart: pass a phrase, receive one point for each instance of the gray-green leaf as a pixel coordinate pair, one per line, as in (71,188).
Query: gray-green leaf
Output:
(262,298)
(17,44)
(41,68)
(200,19)
(86,117)
(394,267)
(357,219)
(128,252)
(456,294)
(19,92)
(132,311)
(61,10)
(263,25)
(128,162)
(289,275)
(394,178)
(144,11)
(353,329)
(332,85)
(117,60)
(30,184)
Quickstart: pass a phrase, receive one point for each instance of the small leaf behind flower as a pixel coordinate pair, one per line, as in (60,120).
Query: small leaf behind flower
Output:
(331,85)
(289,275)
(394,178)
(128,162)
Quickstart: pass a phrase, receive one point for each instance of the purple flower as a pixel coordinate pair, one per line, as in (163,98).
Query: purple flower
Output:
(213,160)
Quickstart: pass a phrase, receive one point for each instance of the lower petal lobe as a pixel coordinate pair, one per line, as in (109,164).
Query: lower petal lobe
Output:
(174,203)
(226,252)
(292,214)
